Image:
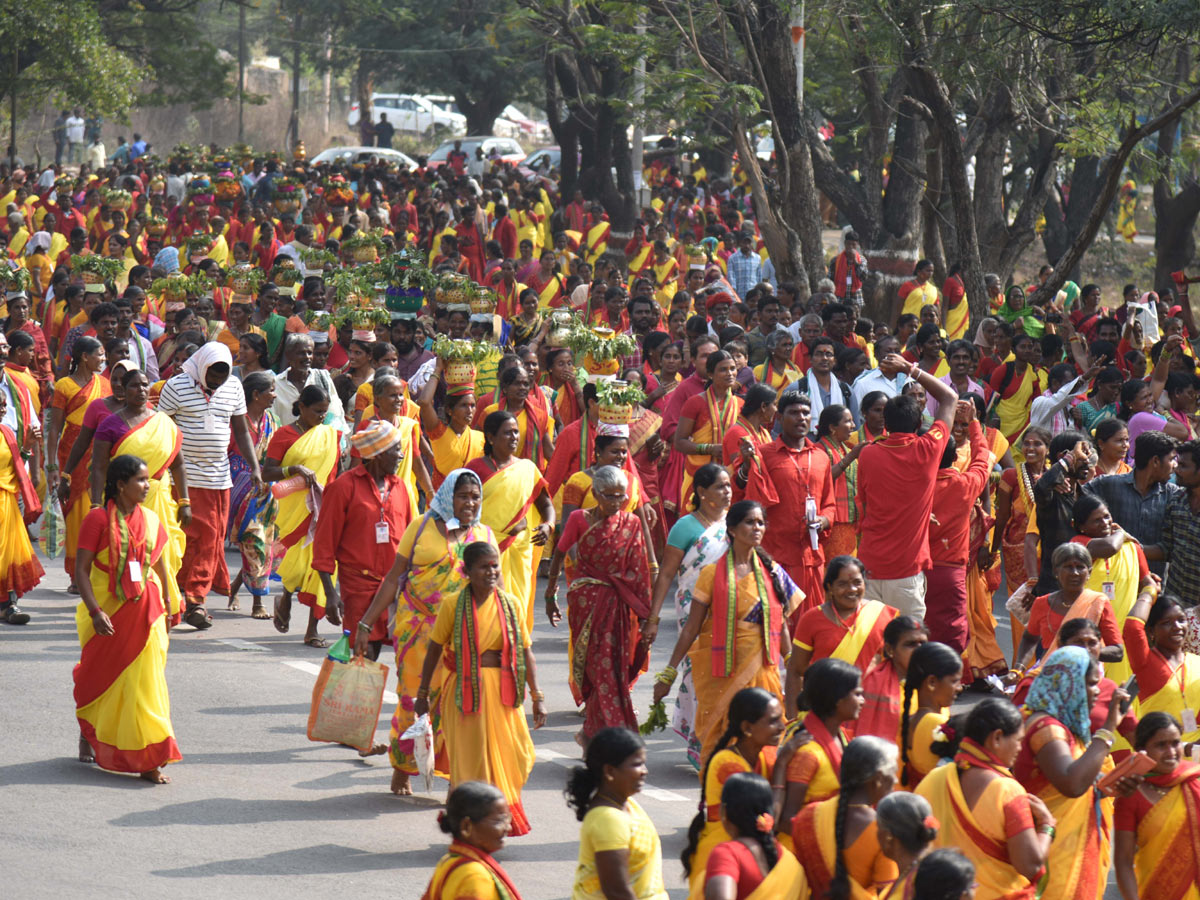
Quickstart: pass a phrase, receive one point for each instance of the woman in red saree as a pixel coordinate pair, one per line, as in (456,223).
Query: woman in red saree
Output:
(535,419)
(73,394)
(1156,849)
(648,449)
(706,418)
(607,599)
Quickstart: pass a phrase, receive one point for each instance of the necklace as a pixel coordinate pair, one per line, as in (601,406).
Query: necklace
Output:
(833,609)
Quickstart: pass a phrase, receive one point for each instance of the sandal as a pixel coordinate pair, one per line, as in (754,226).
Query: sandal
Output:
(282,619)
(318,642)
(198,617)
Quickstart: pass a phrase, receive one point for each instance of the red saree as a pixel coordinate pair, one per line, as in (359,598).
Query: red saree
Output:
(609,593)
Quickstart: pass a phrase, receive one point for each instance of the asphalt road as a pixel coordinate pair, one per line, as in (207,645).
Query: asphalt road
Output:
(255,808)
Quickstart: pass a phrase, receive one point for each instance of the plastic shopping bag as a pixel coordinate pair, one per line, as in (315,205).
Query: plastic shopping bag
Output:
(1020,604)
(53,539)
(421,734)
(346,702)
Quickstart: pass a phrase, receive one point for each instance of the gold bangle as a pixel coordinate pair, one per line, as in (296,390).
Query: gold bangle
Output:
(422,693)
(538,696)
(653,620)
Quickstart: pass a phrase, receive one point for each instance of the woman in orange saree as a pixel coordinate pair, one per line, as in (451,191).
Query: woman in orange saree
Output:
(984,812)
(73,394)
(836,840)
(1060,760)
(705,419)
(1014,503)
(608,597)
(1156,849)
(120,687)
(736,624)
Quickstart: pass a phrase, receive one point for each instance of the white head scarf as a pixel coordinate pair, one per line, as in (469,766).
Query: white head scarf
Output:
(198,364)
(40,240)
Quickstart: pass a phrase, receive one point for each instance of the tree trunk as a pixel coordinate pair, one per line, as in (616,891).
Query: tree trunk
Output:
(1174,215)
(945,123)
(1108,190)
(364,84)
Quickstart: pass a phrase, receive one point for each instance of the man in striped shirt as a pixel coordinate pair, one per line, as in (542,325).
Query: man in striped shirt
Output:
(208,407)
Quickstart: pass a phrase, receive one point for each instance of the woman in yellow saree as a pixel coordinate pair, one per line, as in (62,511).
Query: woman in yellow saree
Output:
(1119,568)
(1156,849)
(749,744)
(984,812)
(516,506)
(120,686)
(453,441)
(428,571)
(1168,676)
(743,642)
(138,430)
(620,854)
(389,406)
(64,420)
(1060,760)
(309,449)
(705,418)
(481,641)
(477,819)
(752,864)
(836,840)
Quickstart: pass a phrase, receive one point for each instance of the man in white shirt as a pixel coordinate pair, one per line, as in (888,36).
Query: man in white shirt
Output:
(75,125)
(298,354)
(209,407)
(1048,410)
(874,379)
(141,351)
(96,156)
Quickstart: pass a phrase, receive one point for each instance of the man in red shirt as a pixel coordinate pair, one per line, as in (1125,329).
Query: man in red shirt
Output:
(896,479)
(954,496)
(504,232)
(457,159)
(789,471)
(363,514)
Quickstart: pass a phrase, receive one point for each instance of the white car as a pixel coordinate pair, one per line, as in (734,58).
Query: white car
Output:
(511,123)
(351,155)
(507,148)
(411,113)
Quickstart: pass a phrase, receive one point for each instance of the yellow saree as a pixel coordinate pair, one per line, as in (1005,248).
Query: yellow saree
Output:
(157,442)
(316,449)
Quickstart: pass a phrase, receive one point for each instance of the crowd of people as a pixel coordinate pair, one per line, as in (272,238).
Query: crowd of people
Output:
(830,502)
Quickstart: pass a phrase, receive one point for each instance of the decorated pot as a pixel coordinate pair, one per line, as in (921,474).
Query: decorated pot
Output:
(620,414)
(458,372)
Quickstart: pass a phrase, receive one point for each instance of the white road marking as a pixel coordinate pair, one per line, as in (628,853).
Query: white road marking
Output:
(567,762)
(239,644)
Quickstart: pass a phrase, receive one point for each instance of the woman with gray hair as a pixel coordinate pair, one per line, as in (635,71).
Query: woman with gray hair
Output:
(1072,566)
(778,371)
(608,603)
(906,828)
(298,351)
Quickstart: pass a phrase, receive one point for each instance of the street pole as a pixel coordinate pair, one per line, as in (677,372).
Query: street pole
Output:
(12,111)
(241,71)
(639,93)
(798,47)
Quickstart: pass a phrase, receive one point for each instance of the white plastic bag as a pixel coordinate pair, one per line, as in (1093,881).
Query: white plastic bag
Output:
(1020,604)
(421,734)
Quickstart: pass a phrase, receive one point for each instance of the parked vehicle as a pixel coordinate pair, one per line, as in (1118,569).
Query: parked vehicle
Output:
(510,151)
(351,155)
(542,160)
(410,113)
